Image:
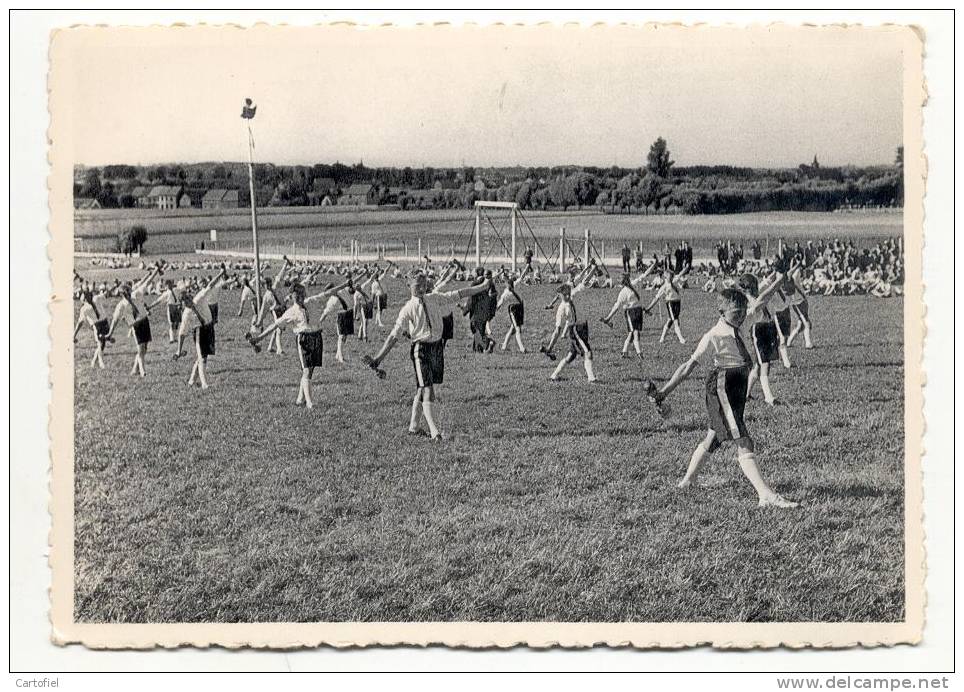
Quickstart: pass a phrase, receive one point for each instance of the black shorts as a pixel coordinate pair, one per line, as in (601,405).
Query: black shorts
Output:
(673,309)
(803,311)
(517,313)
(214,312)
(382,301)
(174,316)
(783,321)
(725,402)
(634,319)
(204,336)
(142,330)
(579,340)
(766,341)
(428,360)
(346,323)
(101,330)
(448,327)
(368,311)
(311,348)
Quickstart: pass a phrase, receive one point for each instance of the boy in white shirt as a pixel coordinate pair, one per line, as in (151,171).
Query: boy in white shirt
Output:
(379,295)
(344,319)
(169,299)
(726,386)
(578,333)
(309,341)
(629,301)
(273,305)
(421,319)
(134,310)
(671,292)
(801,308)
(197,320)
(92,311)
(247,296)
(516,310)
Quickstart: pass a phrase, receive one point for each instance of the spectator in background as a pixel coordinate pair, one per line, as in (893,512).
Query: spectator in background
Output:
(625,257)
(678,258)
(687,255)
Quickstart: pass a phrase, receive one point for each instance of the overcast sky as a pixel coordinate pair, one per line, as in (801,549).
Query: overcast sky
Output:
(497,96)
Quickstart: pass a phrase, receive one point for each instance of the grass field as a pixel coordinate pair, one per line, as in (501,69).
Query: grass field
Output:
(445,230)
(549,501)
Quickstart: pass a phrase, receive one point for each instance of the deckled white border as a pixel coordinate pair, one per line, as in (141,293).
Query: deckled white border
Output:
(467,634)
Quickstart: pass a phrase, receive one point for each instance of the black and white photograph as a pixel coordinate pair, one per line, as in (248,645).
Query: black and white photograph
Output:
(487,336)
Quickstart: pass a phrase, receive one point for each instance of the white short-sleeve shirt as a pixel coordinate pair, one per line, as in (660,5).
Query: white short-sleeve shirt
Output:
(422,317)
(565,315)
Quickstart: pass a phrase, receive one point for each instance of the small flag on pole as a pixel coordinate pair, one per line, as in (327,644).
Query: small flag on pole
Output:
(248,109)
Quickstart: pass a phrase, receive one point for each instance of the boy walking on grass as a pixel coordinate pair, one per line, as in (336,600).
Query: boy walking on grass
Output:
(421,318)
(726,387)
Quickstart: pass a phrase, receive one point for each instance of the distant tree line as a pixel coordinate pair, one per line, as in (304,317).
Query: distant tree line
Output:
(657,187)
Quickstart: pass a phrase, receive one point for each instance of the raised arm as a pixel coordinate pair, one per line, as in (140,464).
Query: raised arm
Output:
(639,279)
(470,291)
(446,278)
(279,277)
(144,281)
(772,286)
(328,293)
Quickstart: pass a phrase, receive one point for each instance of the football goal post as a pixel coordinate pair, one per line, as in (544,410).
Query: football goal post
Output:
(482,217)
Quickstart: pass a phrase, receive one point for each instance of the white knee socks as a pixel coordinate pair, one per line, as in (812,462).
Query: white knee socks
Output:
(587,362)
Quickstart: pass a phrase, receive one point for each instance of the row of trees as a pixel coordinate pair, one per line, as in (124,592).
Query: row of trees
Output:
(658,186)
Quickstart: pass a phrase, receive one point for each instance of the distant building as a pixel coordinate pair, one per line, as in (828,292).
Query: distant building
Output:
(86,203)
(140,195)
(220,199)
(359,194)
(164,196)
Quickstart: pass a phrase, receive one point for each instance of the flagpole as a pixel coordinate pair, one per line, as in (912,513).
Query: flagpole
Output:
(254,220)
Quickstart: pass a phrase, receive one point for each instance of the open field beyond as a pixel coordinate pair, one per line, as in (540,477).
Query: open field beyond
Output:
(549,501)
(446,232)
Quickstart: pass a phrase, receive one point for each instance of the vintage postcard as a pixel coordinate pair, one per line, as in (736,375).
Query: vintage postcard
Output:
(486,336)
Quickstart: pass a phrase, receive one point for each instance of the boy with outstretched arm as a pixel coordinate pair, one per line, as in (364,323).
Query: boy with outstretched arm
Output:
(421,318)
(726,386)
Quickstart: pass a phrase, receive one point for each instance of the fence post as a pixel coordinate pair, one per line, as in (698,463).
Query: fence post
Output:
(562,249)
